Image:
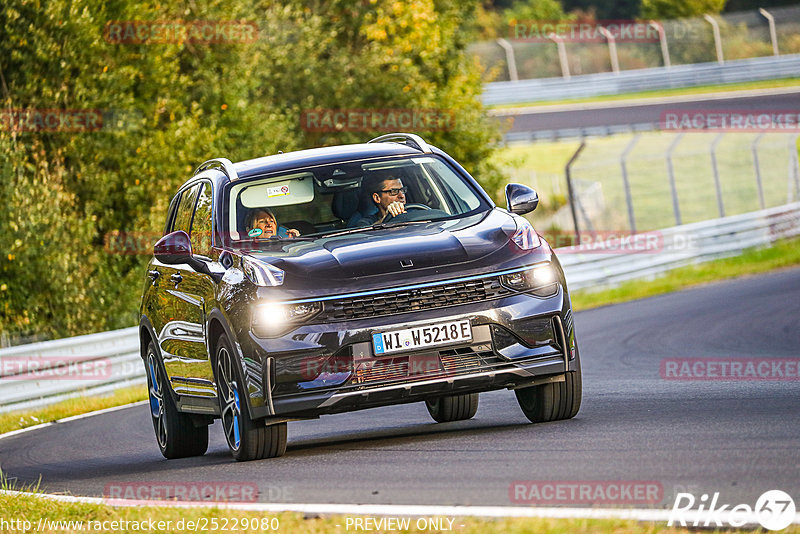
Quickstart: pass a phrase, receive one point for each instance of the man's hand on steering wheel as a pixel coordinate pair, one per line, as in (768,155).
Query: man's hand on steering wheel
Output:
(390,210)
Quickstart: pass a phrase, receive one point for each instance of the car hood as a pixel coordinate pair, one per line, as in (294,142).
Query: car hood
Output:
(403,253)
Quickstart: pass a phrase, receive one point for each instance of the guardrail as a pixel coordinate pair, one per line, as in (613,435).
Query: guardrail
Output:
(608,83)
(112,359)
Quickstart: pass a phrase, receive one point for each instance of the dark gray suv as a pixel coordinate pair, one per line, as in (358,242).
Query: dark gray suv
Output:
(287,287)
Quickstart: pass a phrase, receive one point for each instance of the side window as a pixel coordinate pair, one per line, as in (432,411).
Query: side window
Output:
(183,218)
(201,227)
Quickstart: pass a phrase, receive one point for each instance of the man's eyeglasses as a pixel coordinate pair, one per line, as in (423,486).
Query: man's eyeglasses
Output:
(394,192)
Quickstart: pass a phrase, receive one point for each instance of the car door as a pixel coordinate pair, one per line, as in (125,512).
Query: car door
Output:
(183,293)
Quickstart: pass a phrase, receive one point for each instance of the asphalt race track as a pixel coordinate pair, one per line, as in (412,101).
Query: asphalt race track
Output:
(629,113)
(739,438)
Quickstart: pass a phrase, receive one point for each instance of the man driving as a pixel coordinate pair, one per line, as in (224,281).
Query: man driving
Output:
(388,194)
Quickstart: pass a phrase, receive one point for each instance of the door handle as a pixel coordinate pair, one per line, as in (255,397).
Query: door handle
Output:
(154,275)
(176,278)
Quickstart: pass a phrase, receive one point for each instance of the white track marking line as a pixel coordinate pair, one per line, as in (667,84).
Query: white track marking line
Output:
(635,514)
(72,418)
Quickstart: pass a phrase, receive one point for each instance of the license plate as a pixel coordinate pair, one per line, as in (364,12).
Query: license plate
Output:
(421,337)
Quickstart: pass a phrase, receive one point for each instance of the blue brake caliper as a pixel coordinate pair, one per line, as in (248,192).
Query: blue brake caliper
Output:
(155,403)
(236,417)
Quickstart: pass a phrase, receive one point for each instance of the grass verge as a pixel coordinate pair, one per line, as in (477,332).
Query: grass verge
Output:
(23,419)
(782,254)
(44,515)
(718,88)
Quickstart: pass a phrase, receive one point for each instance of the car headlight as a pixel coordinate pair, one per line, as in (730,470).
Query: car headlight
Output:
(273,318)
(261,273)
(541,280)
(525,237)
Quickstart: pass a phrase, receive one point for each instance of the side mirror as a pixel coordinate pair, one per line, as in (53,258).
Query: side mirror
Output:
(521,199)
(174,248)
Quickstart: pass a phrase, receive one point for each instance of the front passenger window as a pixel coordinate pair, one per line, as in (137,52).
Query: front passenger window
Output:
(183,218)
(201,227)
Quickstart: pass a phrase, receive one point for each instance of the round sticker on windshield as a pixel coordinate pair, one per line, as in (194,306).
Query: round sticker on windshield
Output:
(255,232)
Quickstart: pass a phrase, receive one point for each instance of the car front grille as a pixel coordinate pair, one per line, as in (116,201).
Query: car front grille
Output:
(408,300)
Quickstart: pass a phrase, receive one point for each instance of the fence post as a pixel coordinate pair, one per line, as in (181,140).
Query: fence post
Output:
(626,184)
(662,38)
(757,167)
(510,59)
(571,190)
(714,168)
(794,168)
(676,208)
(562,55)
(772,33)
(612,49)
(717,38)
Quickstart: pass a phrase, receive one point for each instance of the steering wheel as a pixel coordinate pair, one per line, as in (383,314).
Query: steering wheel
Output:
(412,206)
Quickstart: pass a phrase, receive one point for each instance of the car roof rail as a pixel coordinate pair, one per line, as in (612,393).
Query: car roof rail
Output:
(222,164)
(409,139)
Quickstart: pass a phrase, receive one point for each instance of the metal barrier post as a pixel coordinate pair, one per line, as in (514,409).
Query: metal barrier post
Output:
(662,38)
(773,36)
(612,49)
(562,55)
(757,167)
(714,168)
(626,184)
(676,208)
(510,59)
(717,38)
(571,190)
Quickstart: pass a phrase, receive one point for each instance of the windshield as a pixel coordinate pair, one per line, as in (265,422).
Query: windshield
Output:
(352,196)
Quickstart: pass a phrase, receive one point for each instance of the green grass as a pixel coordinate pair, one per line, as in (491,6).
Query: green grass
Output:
(753,261)
(744,86)
(79,405)
(33,509)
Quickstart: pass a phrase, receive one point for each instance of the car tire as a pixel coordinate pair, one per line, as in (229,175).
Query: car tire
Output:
(176,433)
(554,401)
(247,439)
(453,408)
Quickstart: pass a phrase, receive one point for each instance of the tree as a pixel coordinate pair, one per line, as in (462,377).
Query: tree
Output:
(676,9)
(183,102)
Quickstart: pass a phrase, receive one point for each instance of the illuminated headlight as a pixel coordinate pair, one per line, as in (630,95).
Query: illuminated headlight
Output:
(525,237)
(261,273)
(540,280)
(273,318)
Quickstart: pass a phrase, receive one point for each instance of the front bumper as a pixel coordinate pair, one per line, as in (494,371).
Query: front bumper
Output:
(517,340)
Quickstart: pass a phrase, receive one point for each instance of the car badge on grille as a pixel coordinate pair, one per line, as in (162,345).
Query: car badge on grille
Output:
(406,264)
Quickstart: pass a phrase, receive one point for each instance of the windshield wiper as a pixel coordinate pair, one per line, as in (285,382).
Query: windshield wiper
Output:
(376,226)
(380,226)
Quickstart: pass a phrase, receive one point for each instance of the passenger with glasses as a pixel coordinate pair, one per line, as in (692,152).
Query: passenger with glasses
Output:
(388,194)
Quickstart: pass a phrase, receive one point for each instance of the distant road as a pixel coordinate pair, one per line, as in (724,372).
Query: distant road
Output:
(627,114)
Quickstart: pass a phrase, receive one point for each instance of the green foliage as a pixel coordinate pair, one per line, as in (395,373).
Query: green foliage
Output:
(676,9)
(182,103)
